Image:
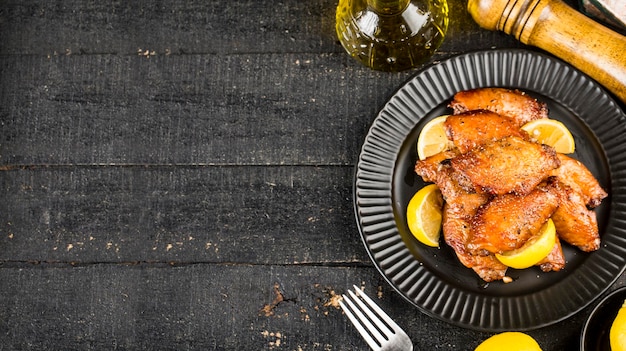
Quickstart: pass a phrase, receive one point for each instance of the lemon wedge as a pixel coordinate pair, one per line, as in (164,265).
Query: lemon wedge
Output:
(432,139)
(509,341)
(617,334)
(423,215)
(551,132)
(533,251)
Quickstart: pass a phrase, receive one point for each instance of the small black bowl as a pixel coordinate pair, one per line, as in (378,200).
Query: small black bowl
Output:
(595,335)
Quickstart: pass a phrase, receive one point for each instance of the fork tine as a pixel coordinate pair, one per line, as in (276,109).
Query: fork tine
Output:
(377,328)
(378,310)
(373,315)
(357,323)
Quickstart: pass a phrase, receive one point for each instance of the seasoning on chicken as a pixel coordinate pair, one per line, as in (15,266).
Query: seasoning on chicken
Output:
(574,222)
(555,261)
(508,221)
(437,169)
(474,128)
(574,174)
(456,230)
(461,203)
(509,103)
(507,165)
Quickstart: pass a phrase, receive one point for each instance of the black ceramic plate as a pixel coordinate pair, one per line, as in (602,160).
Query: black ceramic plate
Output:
(432,278)
(595,335)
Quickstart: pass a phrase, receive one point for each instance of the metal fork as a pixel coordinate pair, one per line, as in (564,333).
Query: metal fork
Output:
(379,331)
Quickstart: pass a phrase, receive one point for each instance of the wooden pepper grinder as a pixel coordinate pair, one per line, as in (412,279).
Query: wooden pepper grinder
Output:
(559,29)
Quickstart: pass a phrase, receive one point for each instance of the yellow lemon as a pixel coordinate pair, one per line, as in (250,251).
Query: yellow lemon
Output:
(617,334)
(551,132)
(424,216)
(533,251)
(432,139)
(509,341)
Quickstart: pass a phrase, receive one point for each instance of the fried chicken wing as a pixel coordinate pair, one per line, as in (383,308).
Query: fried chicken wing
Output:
(509,103)
(474,128)
(511,164)
(461,204)
(488,268)
(555,261)
(437,169)
(508,221)
(456,229)
(574,222)
(573,173)
(430,167)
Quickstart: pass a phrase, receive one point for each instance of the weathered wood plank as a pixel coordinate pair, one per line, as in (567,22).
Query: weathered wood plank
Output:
(178,27)
(209,307)
(254,215)
(194,109)
(195,27)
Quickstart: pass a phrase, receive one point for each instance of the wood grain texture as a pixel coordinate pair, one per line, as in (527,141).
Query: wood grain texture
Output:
(190,109)
(205,306)
(178,175)
(178,27)
(562,31)
(182,27)
(253,215)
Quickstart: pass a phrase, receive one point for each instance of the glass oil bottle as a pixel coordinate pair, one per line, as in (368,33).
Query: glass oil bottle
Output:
(391,35)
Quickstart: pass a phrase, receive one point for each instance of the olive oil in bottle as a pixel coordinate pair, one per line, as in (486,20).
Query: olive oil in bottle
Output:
(391,35)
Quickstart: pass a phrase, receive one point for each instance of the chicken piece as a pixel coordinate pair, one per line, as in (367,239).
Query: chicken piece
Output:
(430,167)
(555,261)
(575,175)
(574,222)
(508,221)
(474,128)
(437,169)
(456,229)
(507,165)
(514,104)
(488,268)
(456,219)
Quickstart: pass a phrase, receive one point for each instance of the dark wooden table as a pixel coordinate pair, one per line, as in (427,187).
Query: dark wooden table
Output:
(177,175)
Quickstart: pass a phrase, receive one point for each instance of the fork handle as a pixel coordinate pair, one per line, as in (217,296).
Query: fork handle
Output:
(559,29)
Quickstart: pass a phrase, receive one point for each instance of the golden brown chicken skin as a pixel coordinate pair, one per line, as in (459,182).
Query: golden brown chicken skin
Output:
(437,169)
(555,261)
(511,164)
(574,222)
(430,167)
(576,175)
(474,128)
(509,103)
(508,221)
(456,230)
(461,204)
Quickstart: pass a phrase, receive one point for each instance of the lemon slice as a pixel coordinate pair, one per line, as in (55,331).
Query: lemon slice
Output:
(432,139)
(533,251)
(423,215)
(617,334)
(510,341)
(551,132)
